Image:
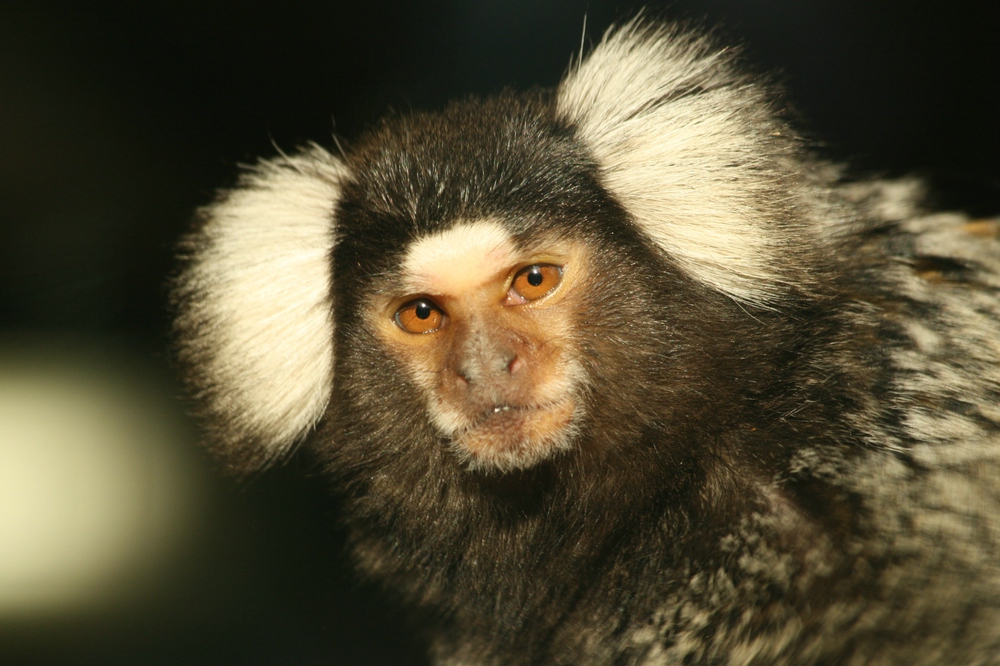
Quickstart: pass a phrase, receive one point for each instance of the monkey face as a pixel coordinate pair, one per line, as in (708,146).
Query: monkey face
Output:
(485,330)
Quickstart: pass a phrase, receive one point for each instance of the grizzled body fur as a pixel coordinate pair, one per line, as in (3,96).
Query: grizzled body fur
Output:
(789,447)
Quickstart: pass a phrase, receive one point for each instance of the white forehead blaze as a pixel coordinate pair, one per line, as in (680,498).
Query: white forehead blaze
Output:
(458,259)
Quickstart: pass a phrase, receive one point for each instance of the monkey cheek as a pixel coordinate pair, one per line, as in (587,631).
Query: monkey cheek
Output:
(518,438)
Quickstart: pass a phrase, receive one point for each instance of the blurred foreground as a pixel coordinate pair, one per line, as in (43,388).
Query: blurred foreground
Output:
(115,549)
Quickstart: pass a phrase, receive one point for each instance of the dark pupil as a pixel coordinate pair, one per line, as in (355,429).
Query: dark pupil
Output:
(423,310)
(535,277)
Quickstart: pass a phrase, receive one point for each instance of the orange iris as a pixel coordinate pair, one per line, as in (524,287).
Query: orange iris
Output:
(533,282)
(420,316)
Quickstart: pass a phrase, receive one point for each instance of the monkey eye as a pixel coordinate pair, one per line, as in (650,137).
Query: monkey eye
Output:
(533,282)
(420,316)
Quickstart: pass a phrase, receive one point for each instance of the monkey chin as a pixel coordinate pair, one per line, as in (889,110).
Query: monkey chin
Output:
(514,438)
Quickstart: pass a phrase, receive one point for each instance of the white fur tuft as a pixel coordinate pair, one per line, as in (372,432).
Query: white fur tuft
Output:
(458,259)
(684,142)
(256,311)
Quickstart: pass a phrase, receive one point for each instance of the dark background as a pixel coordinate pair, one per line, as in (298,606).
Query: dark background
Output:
(118,119)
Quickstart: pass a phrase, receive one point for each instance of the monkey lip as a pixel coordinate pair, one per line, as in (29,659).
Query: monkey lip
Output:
(507,414)
(501,409)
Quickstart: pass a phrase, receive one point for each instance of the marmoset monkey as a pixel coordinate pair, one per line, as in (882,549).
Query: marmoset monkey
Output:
(620,373)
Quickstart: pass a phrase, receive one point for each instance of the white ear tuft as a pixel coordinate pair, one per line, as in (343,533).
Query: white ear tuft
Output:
(255,324)
(687,145)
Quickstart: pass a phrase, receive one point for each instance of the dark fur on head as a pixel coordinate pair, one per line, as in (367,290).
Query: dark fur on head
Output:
(786,442)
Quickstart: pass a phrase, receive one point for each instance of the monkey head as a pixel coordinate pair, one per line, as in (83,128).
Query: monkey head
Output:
(508,277)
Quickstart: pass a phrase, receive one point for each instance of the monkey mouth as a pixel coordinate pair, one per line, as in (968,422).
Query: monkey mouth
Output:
(506,415)
(499,411)
(506,437)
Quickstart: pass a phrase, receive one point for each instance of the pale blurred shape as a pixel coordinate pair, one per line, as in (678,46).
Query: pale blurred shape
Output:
(95,494)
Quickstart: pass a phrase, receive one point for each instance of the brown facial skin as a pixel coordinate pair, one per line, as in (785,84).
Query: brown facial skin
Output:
(493,350)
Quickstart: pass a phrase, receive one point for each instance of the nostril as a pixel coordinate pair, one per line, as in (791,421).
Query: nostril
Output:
(515,365)
(462,373)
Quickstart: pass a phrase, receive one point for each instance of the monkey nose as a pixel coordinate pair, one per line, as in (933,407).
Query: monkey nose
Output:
(485,370)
